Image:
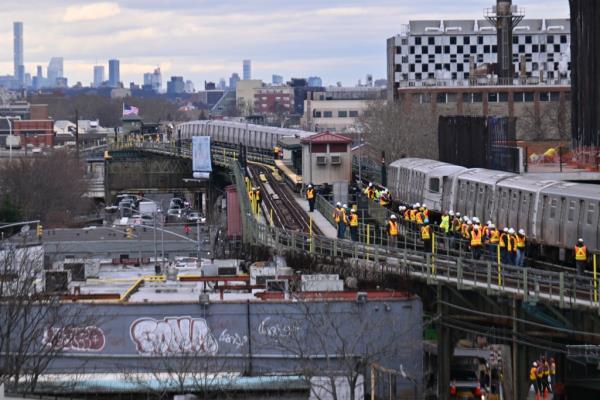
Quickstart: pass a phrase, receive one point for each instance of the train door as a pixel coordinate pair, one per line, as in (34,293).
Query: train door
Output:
(446,193)
(489,204)
(513,209)
(461,196)
(565,220)
(471,199)
(588,225)
(503,207)
(524,217)
(432,195)
(580,218)
(480,202)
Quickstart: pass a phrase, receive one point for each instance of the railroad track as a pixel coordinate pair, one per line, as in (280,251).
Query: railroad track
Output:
(287,213)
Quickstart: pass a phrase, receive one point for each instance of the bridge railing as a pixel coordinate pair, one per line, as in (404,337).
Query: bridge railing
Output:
(371,260)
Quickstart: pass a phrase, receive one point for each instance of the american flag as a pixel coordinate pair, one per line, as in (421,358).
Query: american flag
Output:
(130,110)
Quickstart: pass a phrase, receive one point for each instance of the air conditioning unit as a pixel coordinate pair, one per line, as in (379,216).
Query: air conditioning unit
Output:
(57,281)
(277,285)
(321,160)
(227,271)
(336,160)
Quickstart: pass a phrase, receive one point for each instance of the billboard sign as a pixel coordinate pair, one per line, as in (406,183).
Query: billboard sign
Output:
(201,163)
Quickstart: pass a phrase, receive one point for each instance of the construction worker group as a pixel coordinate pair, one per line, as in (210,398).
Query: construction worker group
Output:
(343,217)
(542,376)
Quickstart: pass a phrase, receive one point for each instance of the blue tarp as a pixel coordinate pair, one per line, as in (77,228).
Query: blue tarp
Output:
(201,154)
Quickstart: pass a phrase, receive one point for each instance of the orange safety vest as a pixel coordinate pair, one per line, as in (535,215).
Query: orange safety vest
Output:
(344,216)
(425,232)
(426,213)
(258,195)
(393,228)
(520,241)
(512,243)
(353,220)
(464,230)
(494,236)
(413,215)
(476,237)
(419,218)
(503,239)
(485,232)
(581,253)
(337,215)
(456,225)
(384,200)
(310,194)
(370,193)
(532,374)
(407,215)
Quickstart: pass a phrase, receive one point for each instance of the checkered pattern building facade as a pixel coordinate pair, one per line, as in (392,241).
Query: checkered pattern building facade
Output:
(442,49)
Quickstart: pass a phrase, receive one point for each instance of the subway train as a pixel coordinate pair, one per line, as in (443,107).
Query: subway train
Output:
(554,214)
(254,137)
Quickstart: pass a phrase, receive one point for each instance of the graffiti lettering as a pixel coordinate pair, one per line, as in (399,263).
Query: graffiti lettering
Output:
(276,330)
(235,339)
(88,338)
(173,335)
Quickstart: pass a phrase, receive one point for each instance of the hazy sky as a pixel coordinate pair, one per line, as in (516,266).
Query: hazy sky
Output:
(206,40)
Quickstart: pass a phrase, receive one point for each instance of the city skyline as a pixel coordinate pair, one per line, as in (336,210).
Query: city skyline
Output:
(198,43)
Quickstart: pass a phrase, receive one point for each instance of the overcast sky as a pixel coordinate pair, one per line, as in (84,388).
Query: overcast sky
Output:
(206,40)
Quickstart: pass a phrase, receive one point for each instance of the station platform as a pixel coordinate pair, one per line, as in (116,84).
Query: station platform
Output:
(318,219)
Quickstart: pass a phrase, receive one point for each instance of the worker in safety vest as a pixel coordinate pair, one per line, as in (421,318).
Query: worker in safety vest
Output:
(413,213)
(464,228)
(545,389)
(258,195)
(485,230)
(426,236)
(511,247)
(539,374)
(445,223)
(392,230)
(402,212)
(503,244)
(521,243)
(419,216)
(378,195)
(533,379)
(338,218)
(552,373)
(425,211)
(311,196)
(384,199)
(580,256)
(476,241)
(252,196)
(353,222)
(370,192)
(492,242)
(455,227)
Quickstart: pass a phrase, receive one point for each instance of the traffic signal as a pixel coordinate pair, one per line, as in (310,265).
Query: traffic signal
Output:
(39,230)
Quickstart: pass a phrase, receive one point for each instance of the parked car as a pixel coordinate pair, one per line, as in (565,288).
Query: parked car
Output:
(464,384)
(174,215)
(195,217)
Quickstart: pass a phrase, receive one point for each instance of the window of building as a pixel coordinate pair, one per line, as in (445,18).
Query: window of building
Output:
(451,97)
(492,97)
(418,40)
(473,49)
(327,114)
(404,41)
(542,48)
(432,58)
(521,48)
(441,98)
(529,97)
(477,97)
(544,96)
(353,114)
(424,49)
(494,48)
(425,98)
(460,67)
(317,114)
(554,96)
(479,39)
(454,76)
(398,50)
(535,66)
(342,114)
(466,40)
(452,58)
(452,39)
(447,67)
(535,48)
(411,49)
(411,68)
(518,97)
(486,48)
(563,39)
(418,76)
(431,40)
(405,59)
(318,148)
(479,58)
(418,58)
(438,67)
(515,39)
(467,98)
(528,39)
(550,39)
(551,58)
(338,148)
(425,68)
(446,49)
(557,48)
(459,49)
(503,97)
(398,68)
(438,49)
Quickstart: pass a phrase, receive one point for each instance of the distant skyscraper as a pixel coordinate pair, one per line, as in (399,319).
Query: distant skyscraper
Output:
(189,87)
(314,81)
(98,75)
(39,74)
(277,79)
(114,75)
(176,85)
(19,73)
(233,80)
(222,84)
(153,80)
(247,74)
(55,70)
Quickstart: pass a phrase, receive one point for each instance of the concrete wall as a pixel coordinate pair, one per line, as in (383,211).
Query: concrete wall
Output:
(328,173)
(335,123)
(244,94)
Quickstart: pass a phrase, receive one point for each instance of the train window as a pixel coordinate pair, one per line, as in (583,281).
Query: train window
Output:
(590,213)
(571,213)
(553,206)
(434,185)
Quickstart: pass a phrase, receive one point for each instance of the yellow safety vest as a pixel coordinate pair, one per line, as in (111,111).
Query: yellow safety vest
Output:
(383,200)
(310,194)
(445,224)
(532,374)
(540,372)
(520,242)
(546,369)
(456,225)
(503,239)
(425,232)
(476,237)
(353,220)
(512,243)
(393,228)
(337,215)
(581,253)
(553,369)
(419,217)
(251,195)
(494,236)
(258,195)
(407,215)
(413,215)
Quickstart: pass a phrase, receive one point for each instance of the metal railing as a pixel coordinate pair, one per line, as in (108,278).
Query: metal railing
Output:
(372,260)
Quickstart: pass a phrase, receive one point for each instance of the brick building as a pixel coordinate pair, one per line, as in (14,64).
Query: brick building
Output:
(37,132)
(274,100)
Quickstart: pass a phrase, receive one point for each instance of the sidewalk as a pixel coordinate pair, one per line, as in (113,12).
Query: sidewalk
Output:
(318,219)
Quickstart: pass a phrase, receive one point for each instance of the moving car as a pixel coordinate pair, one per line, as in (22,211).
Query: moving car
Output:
(195,217)
(464,384)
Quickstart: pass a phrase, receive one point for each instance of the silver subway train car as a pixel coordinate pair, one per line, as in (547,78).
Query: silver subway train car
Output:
(257,137)
(553,213)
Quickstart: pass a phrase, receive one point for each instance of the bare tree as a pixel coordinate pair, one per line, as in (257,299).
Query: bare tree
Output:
(401,131)
(50,188)
(334,348)
(558,115)
(35,327)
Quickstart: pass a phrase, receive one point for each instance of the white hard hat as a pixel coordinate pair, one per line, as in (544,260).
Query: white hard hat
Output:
(370,184)
(522,232)
(401,208)
(352,210)
(393,216)
(488,222)
(309,186)
(505,230)
(469,222)
(476,220)
(476,226)
(580,240)
(458,214)
(345,205)
(465,218)
(492,226)
(511,231)
(338,204)
(534,364)
(417,205)
(424,205)
(451,213)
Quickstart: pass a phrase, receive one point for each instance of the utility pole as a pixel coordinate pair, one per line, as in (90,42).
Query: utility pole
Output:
(77,133)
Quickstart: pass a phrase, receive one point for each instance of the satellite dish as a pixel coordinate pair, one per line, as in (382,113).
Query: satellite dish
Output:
(25,229)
